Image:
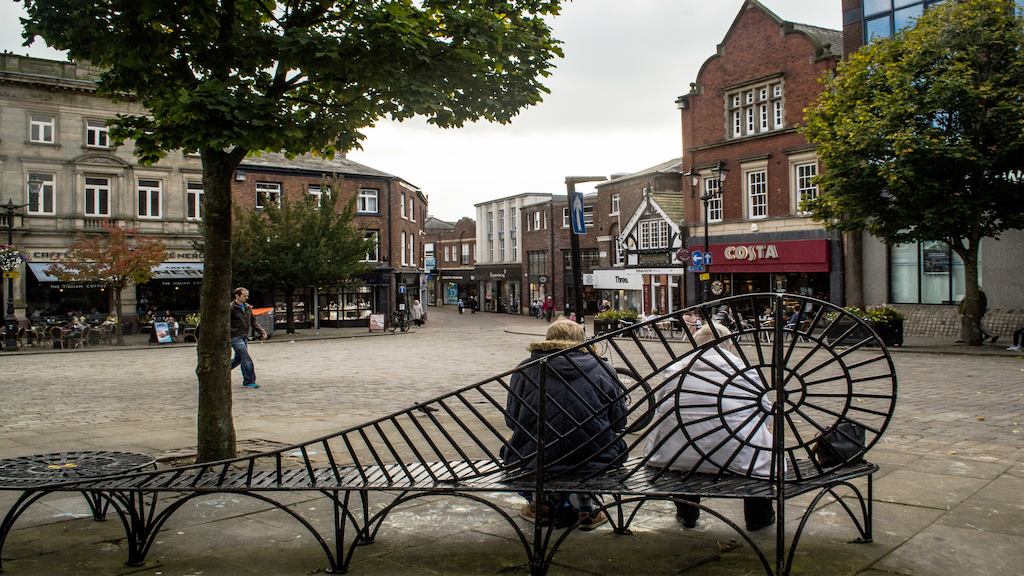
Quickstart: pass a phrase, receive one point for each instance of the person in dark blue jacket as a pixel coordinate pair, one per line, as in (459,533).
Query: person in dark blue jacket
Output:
(585,413)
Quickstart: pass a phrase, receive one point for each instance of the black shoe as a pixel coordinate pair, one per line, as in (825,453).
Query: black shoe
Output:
(686,521)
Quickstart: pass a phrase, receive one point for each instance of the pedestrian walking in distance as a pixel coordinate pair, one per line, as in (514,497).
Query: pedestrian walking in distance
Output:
(241,325)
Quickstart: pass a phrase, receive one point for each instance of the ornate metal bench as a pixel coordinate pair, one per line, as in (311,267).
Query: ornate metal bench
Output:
(798,387)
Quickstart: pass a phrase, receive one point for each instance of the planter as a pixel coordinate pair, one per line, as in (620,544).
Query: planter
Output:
(891,331)
(604,326)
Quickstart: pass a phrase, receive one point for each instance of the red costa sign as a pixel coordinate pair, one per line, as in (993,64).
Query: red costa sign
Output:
(779,256)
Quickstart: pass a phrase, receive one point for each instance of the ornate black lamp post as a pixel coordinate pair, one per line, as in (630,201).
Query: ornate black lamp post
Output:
(720,172)
(10,320)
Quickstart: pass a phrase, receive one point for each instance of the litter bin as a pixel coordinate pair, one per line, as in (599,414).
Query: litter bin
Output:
(264,317)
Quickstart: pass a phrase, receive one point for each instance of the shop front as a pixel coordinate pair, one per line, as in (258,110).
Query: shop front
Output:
(501,288)
(174,286)
(51,297)
(621,287)
(350,304)
(456,285)
(409,286)
(794,266)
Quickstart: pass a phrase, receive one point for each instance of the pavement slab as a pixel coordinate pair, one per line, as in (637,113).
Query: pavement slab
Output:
(948,551)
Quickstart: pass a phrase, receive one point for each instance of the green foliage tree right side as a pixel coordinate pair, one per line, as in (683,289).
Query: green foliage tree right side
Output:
(297,244)
(228,78)
(922,136)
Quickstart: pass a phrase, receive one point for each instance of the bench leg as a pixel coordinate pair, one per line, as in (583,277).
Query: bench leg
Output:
(23,502)
(98,505)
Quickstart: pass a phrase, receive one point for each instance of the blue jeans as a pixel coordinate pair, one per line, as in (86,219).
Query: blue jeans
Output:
(241,348)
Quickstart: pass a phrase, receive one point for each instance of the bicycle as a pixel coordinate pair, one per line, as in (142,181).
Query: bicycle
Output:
(400,320)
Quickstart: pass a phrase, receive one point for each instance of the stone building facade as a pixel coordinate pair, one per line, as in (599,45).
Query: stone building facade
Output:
(499,255)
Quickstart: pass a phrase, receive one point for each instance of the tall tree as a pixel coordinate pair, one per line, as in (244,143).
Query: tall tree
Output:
(228,77)
(117,258)
(298,243)
(922,136)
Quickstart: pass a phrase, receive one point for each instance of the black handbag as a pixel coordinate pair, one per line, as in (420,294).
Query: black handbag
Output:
(840,444)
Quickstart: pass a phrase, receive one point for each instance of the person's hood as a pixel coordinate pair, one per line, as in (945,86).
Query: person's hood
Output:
(581,359)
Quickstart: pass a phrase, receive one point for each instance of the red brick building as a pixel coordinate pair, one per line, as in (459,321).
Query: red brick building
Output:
(387,208)
(451,247)
(742,114)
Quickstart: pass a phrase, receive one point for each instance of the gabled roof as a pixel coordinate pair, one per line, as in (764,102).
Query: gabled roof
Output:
(434,223)
(307,162)
(671,203)
(674,165)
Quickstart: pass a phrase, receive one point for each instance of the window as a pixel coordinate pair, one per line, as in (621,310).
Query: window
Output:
(714,207)
(926,273)
(367,202)
(412,208)
(615,205)
(44,201)
(465,254)
(149,198)
(412,249)
(96,134)
(806,189)
(588,216)
(537,263)
(41,128)
(654,234)
(194,200)
(755,109)
(402,208)
(405,258)
(757,194)
(884,18)
(266,193)
(97,197)
(373,255)
(317,193)
(536,220)
(447,254)
(589,259)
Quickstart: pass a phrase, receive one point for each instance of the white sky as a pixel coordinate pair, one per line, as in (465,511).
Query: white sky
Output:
(611,107)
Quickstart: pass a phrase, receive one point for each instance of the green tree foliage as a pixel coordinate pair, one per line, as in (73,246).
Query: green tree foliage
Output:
(922,136)
(298,243)
(117,258)
(229,77)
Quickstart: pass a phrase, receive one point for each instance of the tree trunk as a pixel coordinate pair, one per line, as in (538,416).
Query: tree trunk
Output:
(289,300)
(853,255)
(216,430)
(971,309)
(119,337)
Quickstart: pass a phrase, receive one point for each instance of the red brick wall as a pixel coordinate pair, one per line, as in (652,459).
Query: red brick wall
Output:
(464,233)
(853,26)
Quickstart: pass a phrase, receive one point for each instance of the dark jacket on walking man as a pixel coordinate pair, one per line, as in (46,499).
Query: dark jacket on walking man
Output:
(241,325)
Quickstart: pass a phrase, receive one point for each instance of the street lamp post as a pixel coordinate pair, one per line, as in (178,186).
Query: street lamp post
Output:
(10,320)
(574,244)
(719,171)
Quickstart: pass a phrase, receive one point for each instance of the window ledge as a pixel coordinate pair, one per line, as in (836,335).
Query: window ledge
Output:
(47,144)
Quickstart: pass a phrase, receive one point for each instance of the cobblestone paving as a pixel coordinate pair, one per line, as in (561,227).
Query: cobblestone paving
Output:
(949,404)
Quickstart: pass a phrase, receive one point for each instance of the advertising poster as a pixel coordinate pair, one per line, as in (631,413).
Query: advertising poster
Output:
(163,333)
(376,322)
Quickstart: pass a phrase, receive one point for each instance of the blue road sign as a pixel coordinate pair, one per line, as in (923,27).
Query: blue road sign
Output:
(697,257)
(707,258)
(695,269)
(579,226)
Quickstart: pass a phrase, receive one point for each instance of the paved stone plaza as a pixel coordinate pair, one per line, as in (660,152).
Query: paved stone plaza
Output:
(950,496)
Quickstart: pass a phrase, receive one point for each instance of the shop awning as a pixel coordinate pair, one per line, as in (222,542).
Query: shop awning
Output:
(178,271)
(39,271)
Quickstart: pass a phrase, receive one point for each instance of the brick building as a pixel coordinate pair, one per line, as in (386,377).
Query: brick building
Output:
(741,114)
(388,209)
(926,279)
(451,247)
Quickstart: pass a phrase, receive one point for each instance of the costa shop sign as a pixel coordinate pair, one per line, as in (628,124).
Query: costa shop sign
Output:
(780,256)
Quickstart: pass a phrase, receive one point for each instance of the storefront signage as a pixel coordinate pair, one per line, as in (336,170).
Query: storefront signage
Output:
(655,259)
(497,275)
(376,322)
(542,279)
(163,333)
(48,255)
(617,280)
(777,256)
(751,252)
(452,278)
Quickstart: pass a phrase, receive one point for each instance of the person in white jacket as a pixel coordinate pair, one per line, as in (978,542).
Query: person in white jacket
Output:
(718,424)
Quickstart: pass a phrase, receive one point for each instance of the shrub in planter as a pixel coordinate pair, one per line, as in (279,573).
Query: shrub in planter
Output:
(885,320)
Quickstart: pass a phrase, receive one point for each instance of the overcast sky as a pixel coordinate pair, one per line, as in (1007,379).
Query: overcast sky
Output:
(611,107)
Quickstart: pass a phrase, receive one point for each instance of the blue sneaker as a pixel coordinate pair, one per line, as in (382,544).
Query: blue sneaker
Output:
(253,385)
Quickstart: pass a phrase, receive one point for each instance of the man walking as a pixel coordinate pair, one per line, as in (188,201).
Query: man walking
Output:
(241,324)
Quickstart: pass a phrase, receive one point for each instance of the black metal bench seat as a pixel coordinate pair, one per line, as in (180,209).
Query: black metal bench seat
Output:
(797,382)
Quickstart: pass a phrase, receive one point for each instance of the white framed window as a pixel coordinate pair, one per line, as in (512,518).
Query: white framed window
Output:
(714,208)
(757,194)
(149,198)
(588,216)
(536,220)
(194,200)
(97,196)
(43,201)
(97,134)
(448,253)
(402,209)
(806,189)
(465,254)
(373,255)
(368,202)
(316,192)
(412,208)
(405,257)
(755,109)
(267,192)
(653,234)
(615,205)
(412,249)
(42,128)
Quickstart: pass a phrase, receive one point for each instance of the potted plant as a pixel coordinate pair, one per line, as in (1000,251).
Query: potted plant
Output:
(605,322)
(885,320)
